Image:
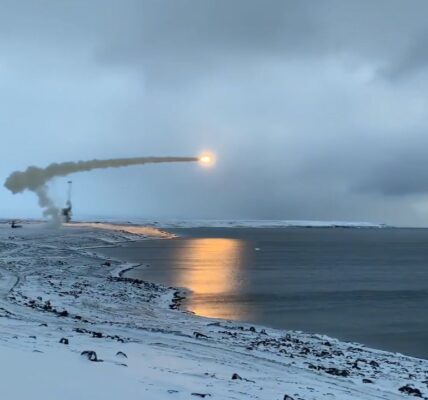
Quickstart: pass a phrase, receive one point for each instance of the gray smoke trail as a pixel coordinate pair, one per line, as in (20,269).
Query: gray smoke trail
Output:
(35,178)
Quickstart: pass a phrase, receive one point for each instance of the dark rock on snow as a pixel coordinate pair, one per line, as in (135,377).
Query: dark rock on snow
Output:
(90,355)
(199,335)
(407,389)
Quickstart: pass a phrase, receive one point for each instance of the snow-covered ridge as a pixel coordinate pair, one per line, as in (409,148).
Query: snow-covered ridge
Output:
(148,227)
(240,223)
(263,224)
(59,302)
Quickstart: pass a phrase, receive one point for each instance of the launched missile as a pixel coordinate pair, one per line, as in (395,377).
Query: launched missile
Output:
(35,179)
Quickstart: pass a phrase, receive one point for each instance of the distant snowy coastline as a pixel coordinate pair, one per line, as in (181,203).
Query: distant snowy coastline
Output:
(238,223)
(100,222)
(264,224)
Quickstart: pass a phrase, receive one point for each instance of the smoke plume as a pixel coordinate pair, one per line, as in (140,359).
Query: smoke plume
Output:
(35,179)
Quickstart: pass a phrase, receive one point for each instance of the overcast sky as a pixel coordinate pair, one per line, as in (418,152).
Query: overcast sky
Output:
(315,109)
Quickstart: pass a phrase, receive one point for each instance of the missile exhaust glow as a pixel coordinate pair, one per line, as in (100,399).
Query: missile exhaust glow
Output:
(206,159)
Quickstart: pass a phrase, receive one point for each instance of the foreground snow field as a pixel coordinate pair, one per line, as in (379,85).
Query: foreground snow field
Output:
(59,299)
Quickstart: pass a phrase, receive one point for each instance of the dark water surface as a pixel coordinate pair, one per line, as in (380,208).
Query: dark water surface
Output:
(364,285)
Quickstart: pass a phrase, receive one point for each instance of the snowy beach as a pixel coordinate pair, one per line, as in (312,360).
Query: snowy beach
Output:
(71,326)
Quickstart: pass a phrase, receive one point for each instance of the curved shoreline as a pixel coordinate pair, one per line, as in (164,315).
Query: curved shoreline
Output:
(160,255)
(65,292)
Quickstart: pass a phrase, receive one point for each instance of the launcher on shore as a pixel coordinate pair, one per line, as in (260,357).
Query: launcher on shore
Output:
(66,211)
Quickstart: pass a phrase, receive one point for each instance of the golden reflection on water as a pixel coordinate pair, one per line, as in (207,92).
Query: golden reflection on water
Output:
(213,270)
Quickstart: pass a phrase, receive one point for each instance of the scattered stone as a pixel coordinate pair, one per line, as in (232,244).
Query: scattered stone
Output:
(365,380)
(235,376)
(100,335)
(64,340)
(199,335)
(337,372)
(287,397)
(91,355)
(323,354)
(63,313)
(121,354)
(407,389)
(203,395)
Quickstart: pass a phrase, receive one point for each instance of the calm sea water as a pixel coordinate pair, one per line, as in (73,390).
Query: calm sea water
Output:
(364,285)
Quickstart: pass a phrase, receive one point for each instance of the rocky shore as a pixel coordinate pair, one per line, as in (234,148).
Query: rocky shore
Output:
(65,310)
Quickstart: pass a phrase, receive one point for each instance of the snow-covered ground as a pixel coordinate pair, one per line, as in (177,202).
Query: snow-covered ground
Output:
(59,299)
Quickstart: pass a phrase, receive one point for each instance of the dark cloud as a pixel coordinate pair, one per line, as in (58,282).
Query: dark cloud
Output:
(164,39)
(316,109)
(412,61)
(402,173)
